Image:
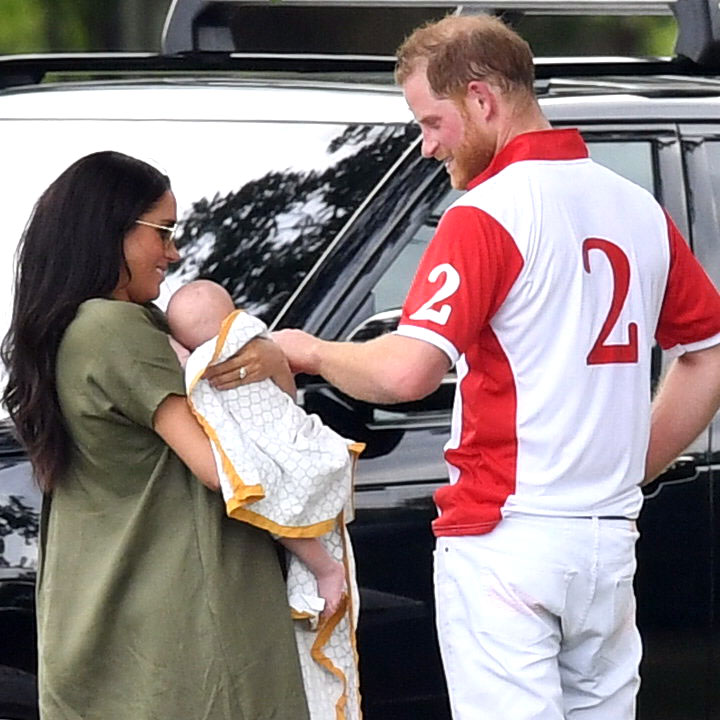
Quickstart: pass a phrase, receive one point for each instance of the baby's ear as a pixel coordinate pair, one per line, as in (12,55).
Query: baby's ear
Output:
(180,350)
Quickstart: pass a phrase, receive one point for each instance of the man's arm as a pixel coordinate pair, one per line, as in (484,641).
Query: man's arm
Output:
(388,369)
(687,401)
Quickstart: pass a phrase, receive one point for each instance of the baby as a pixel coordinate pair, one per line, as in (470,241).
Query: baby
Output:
(196,313)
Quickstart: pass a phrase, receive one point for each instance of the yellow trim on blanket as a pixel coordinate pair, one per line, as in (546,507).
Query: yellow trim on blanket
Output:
(357,448)
(325,630)
(298,531)
(242,493)
(222,335)
(219,342)
(351,615)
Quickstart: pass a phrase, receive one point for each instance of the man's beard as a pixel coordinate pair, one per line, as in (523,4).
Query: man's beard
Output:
(471,157)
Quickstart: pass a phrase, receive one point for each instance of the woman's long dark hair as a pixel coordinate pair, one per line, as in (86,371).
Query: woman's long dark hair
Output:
(71,250)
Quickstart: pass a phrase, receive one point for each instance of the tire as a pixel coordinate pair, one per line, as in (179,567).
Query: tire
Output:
(18,694)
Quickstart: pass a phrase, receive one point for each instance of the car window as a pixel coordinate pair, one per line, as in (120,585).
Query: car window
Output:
(704,175)
(632,159)
(257,201)
(390,290)
(712,147)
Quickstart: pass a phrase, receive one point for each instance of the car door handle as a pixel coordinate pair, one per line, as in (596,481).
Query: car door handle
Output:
(683,469)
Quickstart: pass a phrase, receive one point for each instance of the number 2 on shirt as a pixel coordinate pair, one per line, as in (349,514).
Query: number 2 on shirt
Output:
(448,288)
(602,353)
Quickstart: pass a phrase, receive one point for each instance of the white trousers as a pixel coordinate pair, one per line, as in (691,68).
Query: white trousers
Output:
(536,620)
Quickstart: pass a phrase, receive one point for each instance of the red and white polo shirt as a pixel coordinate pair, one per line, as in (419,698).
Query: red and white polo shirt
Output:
(546,285)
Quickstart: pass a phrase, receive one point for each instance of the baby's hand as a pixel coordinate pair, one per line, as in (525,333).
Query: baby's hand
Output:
(180,350)
(331,588)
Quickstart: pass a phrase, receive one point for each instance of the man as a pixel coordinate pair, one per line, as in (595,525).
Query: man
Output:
(546,285)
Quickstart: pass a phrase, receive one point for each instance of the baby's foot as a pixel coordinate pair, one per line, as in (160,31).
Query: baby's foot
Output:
(331,588)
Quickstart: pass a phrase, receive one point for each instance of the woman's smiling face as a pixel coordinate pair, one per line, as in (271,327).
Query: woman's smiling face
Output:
(148,253)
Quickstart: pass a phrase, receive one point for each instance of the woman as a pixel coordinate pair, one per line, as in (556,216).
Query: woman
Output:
(151,603)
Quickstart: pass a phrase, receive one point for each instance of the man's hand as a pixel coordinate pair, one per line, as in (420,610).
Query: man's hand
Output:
(388,369)
(688,398)
(260,359)
(301,350)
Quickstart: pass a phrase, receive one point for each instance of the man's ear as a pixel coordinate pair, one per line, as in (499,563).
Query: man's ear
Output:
(482,97)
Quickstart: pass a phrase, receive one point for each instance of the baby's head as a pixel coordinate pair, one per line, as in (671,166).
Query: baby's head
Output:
(196,311)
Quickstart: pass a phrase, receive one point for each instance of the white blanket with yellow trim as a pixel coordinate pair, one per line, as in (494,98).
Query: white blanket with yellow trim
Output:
(285,471)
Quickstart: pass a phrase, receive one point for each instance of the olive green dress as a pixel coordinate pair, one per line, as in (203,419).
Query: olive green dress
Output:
(151,603)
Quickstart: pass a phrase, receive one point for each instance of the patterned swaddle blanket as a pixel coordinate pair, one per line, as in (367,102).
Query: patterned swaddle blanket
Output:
(285,471)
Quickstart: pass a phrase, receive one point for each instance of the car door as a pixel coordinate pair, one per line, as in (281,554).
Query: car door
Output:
(403,464)
(701,159)
(674,581)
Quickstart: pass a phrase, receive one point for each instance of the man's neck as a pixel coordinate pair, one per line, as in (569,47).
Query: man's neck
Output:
(519,120)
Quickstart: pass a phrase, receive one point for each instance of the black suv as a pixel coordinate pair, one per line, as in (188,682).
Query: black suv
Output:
(301,188)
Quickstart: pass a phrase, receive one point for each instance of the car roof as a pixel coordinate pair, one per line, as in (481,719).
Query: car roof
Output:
(569,99)
(211,99)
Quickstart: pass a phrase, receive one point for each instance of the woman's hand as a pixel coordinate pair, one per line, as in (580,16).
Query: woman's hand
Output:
(260,359)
